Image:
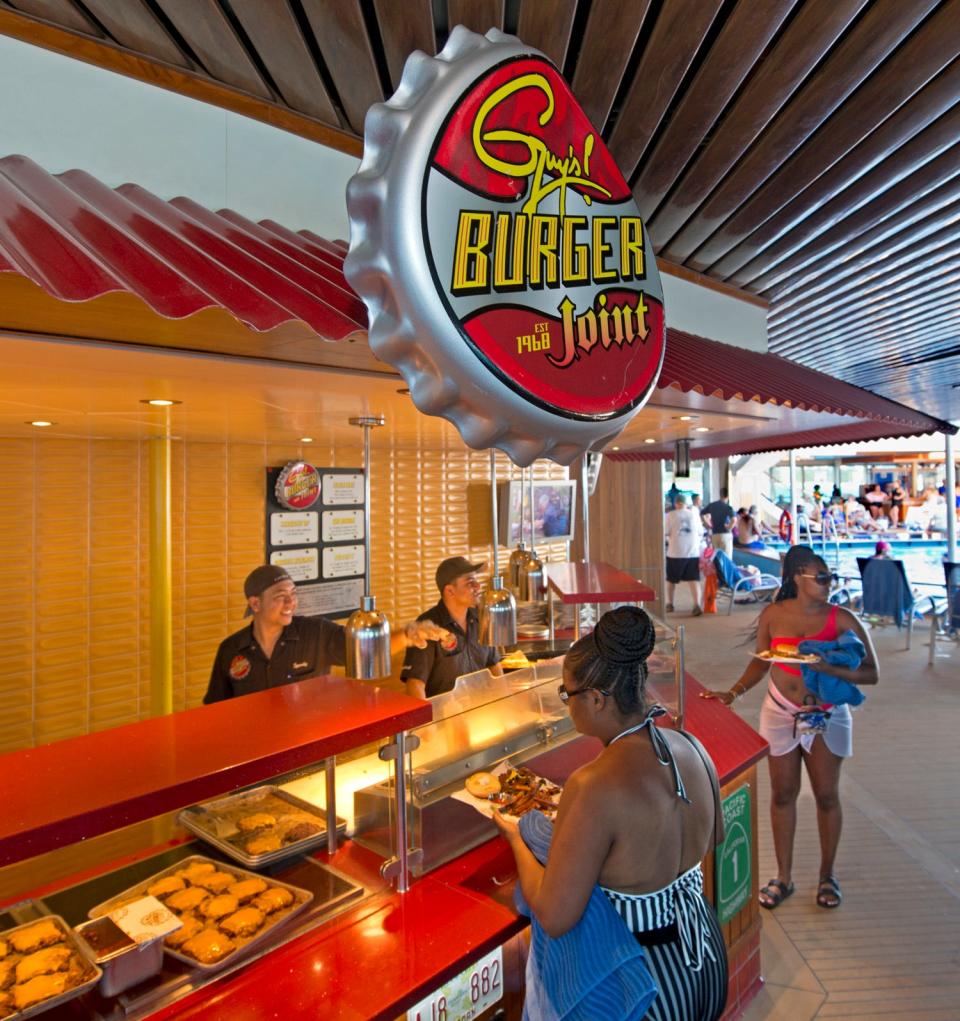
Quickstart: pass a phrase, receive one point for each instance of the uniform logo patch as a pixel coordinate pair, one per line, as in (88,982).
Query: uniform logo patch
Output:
(239,667)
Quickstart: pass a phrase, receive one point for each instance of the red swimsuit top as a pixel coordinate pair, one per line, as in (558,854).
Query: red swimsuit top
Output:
(827,633)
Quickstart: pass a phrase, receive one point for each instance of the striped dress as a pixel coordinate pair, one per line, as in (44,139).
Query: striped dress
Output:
(684,948)
(676,926)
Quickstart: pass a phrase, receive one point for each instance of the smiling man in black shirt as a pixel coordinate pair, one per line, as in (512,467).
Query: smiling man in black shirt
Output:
(280,648)
(433,669)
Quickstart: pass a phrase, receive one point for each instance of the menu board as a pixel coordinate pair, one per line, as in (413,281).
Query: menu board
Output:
(323,548)
(300,563)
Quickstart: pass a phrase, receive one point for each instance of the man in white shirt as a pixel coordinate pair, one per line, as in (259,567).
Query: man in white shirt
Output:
(684,532)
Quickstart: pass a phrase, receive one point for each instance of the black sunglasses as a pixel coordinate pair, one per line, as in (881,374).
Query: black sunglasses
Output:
(823,577)
(566,695)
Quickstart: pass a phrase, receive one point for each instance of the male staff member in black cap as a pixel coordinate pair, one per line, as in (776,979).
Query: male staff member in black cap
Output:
(279,648)
(432,670)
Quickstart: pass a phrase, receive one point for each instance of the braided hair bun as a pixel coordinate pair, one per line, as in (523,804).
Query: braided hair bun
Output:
(624,636)
(614,655)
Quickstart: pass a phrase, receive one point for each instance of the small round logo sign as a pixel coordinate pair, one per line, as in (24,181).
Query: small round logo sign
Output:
(298,486)
(501,254)
(239,667)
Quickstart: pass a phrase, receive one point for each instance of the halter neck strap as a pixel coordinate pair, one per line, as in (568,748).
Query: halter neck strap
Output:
(660,746)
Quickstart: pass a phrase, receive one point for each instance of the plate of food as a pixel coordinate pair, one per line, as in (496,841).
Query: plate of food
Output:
(510,790)
(41,966)
(259,826)
(787,654)
(224,909)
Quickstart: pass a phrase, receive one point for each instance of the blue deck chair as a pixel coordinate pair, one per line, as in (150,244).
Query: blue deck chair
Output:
(887,593)
(730,583)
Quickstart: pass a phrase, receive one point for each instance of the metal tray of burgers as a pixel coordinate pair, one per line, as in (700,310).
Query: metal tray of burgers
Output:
(41,966)
(204,895)
(259,826)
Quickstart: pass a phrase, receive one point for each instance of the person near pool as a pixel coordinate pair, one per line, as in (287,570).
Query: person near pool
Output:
(800,611)
(635,822)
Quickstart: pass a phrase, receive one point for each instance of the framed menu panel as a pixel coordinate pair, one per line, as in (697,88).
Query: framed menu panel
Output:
(323,547)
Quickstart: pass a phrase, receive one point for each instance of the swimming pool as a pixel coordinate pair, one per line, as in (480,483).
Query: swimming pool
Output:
(922,558)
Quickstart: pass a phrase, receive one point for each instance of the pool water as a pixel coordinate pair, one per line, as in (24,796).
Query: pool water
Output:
(922,558)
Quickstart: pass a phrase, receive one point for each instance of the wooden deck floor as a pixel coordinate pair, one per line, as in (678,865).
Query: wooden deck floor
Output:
(891,952)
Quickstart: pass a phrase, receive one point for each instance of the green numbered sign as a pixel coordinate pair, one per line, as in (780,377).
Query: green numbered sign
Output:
(732,858)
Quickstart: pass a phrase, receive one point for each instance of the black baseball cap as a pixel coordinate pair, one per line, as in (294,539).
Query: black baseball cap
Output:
(453,568)
(261,578)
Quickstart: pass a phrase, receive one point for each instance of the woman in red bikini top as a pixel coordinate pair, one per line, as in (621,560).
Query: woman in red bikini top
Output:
(801,610)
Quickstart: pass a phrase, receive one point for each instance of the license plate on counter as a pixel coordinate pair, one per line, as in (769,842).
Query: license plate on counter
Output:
(467,995)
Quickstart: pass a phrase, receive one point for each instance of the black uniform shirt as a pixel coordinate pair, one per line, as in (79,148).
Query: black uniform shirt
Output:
(438,668)
(307,647)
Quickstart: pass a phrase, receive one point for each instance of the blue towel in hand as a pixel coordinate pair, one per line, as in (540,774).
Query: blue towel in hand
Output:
(595,970)
(846,651)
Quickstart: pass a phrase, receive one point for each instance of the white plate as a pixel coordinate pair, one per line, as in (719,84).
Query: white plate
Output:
(805,660)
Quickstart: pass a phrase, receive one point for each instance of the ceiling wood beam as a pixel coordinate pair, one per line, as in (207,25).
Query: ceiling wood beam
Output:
(174,79)
(880,30)
(925,54)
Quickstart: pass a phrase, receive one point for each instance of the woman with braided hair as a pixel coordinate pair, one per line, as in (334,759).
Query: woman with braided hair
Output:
(634,824)
(797,733)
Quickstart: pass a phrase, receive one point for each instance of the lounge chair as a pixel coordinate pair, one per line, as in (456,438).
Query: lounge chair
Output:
(887,592)
(729,582)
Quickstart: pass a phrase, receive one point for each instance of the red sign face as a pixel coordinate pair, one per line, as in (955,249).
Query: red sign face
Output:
(538,249)
(298,486)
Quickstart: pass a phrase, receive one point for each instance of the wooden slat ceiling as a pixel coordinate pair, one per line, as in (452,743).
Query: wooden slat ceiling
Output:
(807,151)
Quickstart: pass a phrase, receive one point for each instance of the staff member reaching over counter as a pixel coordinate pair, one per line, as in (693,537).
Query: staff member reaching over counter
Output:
(280,648)
(433,669)
(799,729)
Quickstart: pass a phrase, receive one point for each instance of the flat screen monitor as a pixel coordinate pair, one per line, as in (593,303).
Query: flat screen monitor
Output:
(554,511)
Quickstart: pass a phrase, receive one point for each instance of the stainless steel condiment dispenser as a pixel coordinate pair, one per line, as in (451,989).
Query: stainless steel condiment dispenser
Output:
(368,642)
(498,616)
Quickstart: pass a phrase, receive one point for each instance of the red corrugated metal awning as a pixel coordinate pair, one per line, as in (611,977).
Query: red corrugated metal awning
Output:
(78,239)
(721,370)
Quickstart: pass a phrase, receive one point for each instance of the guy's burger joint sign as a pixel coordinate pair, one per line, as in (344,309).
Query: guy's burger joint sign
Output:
(503,261)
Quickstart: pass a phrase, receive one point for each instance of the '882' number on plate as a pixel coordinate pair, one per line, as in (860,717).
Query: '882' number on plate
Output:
(467,995)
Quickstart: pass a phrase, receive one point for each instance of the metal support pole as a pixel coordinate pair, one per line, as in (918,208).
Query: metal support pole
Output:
(161,579)
(366,507)
(949,486)
(585,507)
(493,507)
(681,668)
(398,867)
(792,462)
(329,769)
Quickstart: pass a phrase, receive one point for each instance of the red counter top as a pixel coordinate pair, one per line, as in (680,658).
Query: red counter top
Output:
(595,582)
(61,793)
(733,744)
(372,962)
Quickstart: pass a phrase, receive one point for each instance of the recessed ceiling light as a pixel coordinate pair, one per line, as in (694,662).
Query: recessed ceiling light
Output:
(649,439)
(159,402)
(404,390)
(614,448)
(687,418)
(702,429)
(306,439)
(40,423)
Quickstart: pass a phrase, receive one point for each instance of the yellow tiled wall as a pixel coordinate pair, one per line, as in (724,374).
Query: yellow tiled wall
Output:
(74,599)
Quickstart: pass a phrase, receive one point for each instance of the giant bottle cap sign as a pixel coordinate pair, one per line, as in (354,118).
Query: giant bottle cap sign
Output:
(501,256)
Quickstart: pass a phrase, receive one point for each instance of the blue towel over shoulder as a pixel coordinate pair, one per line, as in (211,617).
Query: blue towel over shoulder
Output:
(596,970)
(846,651)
